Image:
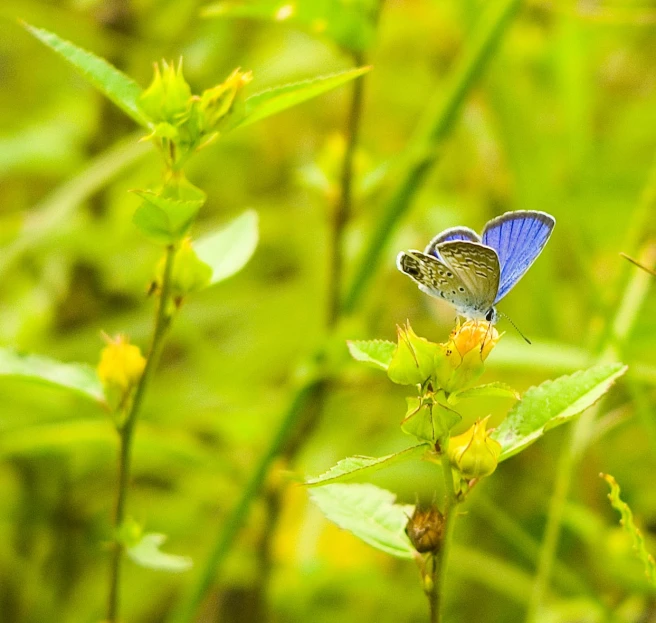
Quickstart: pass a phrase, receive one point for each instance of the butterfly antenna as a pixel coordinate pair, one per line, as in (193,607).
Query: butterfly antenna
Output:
(515,327)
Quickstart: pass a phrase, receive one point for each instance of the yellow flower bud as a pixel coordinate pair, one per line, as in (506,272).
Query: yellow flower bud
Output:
(168,98)
(216,103)
(474,453)
(121,364)
(413,361)
(460,360)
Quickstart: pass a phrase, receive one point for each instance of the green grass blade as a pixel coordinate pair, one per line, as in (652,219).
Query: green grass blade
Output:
(423,153)
(114,84)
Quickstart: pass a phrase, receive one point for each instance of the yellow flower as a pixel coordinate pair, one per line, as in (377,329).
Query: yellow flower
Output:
(474,453)
(121,364)
(475,335)
(460,360)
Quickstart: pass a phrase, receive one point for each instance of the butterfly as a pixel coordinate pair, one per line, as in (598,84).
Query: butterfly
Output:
(474,272)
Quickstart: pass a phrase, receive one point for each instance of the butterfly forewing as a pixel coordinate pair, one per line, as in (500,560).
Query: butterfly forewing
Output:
(518,238)
(465,278)
(476,266)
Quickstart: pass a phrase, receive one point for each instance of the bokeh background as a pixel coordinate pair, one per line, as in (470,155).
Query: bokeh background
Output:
(561,119)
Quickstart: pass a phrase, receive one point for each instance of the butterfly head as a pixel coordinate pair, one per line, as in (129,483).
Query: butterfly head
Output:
(492,315)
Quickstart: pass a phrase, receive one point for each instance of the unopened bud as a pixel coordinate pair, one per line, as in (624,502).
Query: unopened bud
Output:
(414,359)
(474,453)
(425,529)
(121,364)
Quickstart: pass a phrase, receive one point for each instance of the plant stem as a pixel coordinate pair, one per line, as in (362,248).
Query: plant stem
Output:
(442,560)
(343,208)
(126,432)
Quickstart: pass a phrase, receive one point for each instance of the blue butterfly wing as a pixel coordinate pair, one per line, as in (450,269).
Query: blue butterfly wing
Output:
(518,238)
(453,233)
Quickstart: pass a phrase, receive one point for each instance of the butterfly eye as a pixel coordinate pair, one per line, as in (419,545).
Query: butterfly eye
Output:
(490,315)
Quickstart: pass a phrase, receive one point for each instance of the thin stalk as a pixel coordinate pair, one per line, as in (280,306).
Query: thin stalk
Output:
(450,504)
(343,208)
(126,432)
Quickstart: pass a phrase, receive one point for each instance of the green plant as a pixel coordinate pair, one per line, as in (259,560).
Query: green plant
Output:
(444,375)
(179,124)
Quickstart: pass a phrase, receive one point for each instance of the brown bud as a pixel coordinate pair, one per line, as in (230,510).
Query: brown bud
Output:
(425,529)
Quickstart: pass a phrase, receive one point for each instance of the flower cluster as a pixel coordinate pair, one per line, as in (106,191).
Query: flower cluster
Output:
(183,122)
(442,372)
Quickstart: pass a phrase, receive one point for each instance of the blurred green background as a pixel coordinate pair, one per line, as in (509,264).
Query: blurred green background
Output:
(562,119)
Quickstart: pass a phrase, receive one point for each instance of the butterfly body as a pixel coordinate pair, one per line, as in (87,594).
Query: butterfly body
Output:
(474,273)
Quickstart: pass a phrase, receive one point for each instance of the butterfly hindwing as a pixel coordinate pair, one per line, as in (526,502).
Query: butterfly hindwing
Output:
(453,233)
(518,238)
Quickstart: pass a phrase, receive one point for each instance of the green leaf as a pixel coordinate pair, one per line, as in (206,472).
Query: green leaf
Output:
(496,390)
(77,377)
(369,513)
(275,100)
(378,353)
(347,23)
(356,466)
(553,403)
(629,525)
(228,250)
(146,553)
(114,84)
(164,219)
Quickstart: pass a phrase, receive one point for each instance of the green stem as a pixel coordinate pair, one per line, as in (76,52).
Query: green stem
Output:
(343,208)
(450,504)
(424,150)
(126,432)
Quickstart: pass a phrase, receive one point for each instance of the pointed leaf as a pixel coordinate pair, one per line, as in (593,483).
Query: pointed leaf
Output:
(228,250)
(369,513)
(553,403)
(275,100)
(163,219)
(77,377)
(378,353)
(356,466)
(496,390)
(114,84)
(628,524)
(146,553)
